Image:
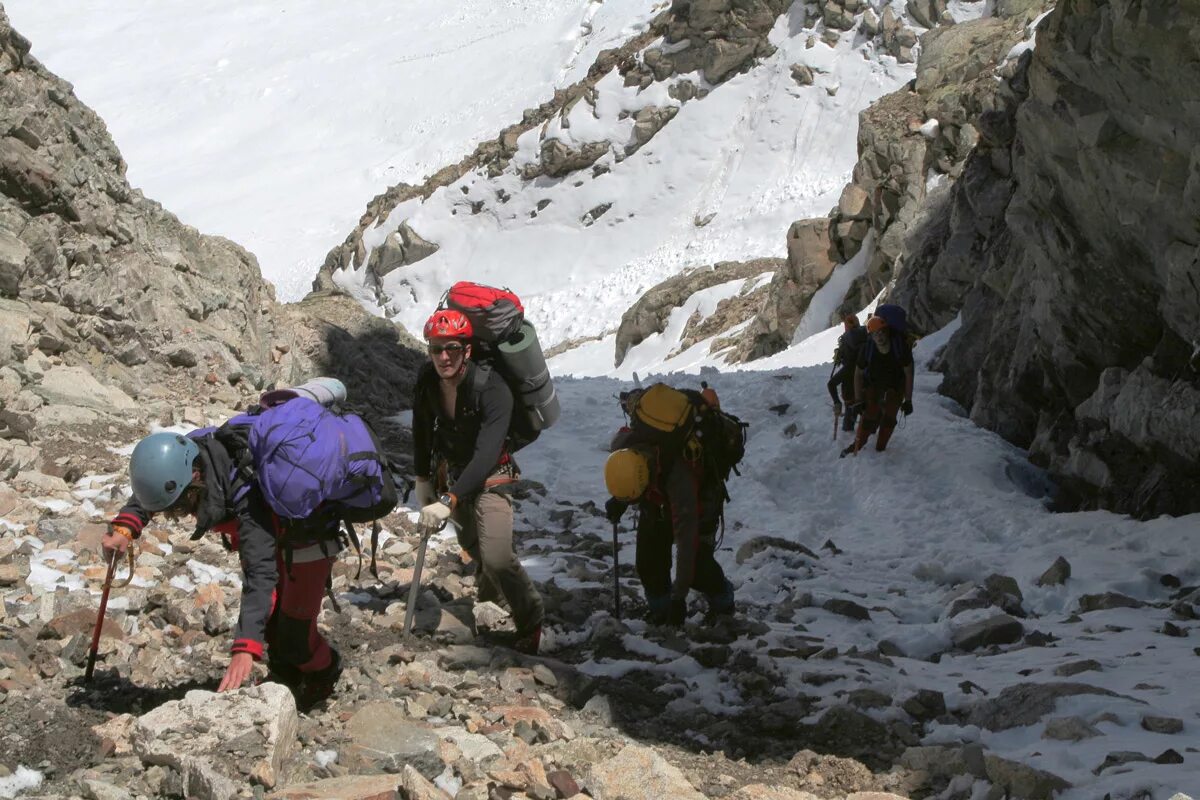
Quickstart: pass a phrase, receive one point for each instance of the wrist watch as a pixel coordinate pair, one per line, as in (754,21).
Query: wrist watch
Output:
(447,500)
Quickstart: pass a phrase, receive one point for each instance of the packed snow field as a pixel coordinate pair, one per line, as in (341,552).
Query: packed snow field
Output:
(901,534)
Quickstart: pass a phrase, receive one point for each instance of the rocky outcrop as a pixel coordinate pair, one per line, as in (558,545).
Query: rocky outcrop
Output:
(930,127)
(649,315)
(811,260)
(1073,260)
(718,38)
(112,311)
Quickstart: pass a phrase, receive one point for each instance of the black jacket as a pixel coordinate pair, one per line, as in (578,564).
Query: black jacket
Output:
(850,345)
(473,443)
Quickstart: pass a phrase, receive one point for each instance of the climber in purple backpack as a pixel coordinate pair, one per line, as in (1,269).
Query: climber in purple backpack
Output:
(277,484)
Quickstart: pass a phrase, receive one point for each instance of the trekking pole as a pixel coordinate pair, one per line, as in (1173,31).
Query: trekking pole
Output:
(414,588)
(108,581)
(616,572)
(837,414)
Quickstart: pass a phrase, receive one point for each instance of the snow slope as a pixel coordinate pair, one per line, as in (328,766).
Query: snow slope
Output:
(273,122)
(751,157)
(947,504)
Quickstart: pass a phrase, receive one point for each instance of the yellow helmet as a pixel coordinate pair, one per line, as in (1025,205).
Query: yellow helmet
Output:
(627,475)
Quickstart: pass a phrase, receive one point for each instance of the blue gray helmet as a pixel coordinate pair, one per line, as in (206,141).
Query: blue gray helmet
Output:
(161,468)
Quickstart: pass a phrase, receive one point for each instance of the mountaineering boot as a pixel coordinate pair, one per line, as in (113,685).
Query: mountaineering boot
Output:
(319,685)
(657,608)
(527,642)
(848,451)
(721,603)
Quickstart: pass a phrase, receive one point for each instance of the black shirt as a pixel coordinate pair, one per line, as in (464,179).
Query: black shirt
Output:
(473,442)
(885,370)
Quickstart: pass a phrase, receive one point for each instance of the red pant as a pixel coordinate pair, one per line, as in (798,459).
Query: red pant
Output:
(880,409)
(292,636)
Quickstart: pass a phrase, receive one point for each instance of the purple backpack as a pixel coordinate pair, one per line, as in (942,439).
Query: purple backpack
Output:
(311,464)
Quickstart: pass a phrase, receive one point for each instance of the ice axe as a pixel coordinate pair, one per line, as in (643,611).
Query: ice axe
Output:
(616,572)
(108,584)
(414,588)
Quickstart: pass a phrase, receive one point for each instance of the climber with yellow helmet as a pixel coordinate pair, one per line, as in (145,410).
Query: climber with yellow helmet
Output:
(680,503)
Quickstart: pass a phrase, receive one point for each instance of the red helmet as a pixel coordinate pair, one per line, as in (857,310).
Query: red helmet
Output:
(448,324)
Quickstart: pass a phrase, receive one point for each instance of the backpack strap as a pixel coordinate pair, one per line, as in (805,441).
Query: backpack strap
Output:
(352,537)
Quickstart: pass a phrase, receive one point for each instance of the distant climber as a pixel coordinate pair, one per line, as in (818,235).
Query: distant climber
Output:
(845,361)
(883,380)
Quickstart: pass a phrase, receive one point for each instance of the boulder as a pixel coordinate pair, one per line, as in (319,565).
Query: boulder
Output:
(382,733)
(1026,704)
(348,787)
(1022,780)
(1056,574)
(760,791)
(647,122)
(1069,729)
(760,544)
(998,629)
(638,773)
(558,159)
(218,742)
(75,386)
(927,13)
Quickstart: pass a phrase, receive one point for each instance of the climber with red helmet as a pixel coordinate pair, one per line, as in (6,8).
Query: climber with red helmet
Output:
(464,470)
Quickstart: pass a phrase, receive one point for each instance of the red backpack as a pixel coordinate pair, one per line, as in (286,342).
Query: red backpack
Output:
(495,314)
(508,342)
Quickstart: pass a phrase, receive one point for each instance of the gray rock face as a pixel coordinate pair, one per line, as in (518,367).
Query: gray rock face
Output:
(1078,324)
(723,38)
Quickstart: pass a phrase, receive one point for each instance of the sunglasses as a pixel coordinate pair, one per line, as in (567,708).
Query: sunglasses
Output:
(453,348)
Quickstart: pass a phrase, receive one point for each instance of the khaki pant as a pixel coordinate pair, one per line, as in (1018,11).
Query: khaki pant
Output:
(485,531)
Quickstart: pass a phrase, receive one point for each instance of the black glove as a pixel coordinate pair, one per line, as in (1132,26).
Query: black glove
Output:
(678,613)
(614,508)
(906,407)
